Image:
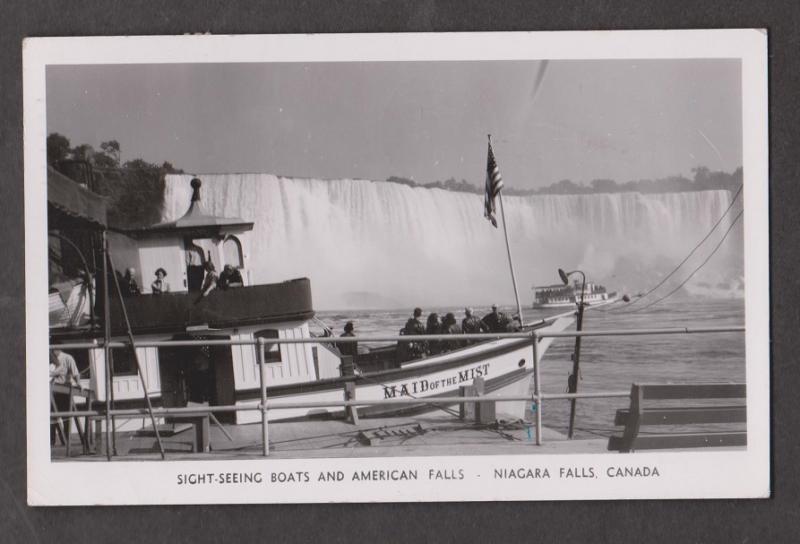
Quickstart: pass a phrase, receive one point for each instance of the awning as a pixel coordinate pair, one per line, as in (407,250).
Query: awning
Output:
(74,199)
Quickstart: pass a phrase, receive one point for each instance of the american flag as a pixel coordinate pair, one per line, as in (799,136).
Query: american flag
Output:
(494,182)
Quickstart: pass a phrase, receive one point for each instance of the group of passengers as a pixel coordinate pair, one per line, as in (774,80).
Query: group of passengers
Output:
(495,321)
(230,277)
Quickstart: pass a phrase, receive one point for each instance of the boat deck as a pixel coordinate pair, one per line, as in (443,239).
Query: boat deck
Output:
(391,437)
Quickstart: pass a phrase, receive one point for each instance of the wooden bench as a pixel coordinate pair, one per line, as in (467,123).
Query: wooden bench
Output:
(200,423)
(639,415)
(202,429)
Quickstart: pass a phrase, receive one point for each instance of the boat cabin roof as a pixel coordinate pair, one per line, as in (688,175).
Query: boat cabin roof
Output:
(196,222)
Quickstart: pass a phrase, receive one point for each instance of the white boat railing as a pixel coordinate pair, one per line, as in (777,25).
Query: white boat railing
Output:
(536,398)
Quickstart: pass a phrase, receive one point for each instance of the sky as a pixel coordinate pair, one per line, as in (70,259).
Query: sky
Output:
(567,119)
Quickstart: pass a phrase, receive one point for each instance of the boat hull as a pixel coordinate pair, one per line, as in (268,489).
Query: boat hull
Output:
(589,300)
(505,365)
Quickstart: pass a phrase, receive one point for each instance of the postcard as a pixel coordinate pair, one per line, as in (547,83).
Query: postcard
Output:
(397,267)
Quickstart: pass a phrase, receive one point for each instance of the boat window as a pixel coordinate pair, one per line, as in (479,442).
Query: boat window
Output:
(124,362)
(272,352)
(232,249)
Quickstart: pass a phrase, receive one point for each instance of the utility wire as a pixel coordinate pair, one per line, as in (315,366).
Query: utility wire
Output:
(719,244)
(674,270)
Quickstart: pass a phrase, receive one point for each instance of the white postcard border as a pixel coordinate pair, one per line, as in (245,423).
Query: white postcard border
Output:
(708,474)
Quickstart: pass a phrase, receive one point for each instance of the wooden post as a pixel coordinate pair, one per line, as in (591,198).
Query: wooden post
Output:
(99,445)
(264,415)
(59,429)
(106,340)
(466,410)
(576,364)
(537,389)
(350,394)
(484,411)
(348,369)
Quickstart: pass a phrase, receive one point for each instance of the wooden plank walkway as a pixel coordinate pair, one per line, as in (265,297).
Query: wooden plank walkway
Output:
(432,436)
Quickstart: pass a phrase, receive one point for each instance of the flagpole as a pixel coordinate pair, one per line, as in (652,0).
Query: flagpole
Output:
(510,260)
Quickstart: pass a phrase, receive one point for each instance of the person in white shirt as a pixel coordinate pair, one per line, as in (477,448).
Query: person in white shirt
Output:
(63,369)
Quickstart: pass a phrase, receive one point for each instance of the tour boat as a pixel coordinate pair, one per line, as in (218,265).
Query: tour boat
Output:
(562,296)
(229,374)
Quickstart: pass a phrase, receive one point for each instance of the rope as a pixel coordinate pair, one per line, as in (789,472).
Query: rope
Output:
(719,244)
(674,270)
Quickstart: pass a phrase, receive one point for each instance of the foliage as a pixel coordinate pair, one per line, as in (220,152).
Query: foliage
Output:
(135,189)
(58,148)
(703,180)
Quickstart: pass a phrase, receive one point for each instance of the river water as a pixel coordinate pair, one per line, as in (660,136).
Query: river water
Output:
(610,363)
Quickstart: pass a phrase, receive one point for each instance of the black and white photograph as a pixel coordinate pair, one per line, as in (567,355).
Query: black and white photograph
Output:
(489,266)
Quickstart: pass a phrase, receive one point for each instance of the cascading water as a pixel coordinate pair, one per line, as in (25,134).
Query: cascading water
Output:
(380,244)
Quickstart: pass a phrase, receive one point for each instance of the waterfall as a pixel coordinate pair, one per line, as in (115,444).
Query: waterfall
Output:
(379,244)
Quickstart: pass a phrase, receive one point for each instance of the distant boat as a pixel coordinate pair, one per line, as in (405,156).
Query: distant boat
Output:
(561,296)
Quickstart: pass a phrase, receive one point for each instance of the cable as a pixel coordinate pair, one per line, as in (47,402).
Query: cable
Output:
(719,244)
(674,270)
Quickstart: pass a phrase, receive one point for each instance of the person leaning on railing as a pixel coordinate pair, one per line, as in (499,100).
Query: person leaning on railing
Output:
(348,348)
(230,277)
(414,326)
(434,326)
(451,326)
(63,371)
(160,285)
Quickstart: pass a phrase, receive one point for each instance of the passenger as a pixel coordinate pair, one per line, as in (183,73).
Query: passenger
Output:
(64,371)
(503,323)
(414,326)
(129,286)
(211,279)
(348,348)
(472,325)
(514,325)
(492,320)
(160,286)
(434,326)
(230,277)
(450,326)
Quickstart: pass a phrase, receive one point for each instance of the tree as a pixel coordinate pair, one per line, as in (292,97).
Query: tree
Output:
(83,152)
(702,177)
(110,156)
(58,148)
(402,181)
(604,186)
(169,169)
(139,164)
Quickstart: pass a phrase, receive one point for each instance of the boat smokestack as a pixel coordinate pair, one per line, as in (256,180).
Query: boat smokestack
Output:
(196,204)
(196,184)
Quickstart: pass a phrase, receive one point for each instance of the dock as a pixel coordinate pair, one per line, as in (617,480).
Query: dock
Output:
(431,435)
